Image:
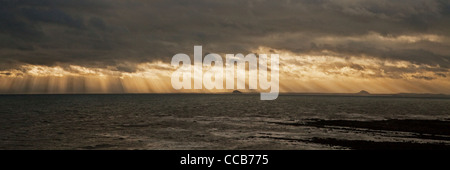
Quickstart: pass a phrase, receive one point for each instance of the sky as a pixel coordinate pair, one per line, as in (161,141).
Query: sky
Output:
(126,46)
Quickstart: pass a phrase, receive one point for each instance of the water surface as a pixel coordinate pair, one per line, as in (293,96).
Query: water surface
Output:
(221,121)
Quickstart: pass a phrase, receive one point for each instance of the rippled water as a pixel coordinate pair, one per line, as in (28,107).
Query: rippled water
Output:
(203,121)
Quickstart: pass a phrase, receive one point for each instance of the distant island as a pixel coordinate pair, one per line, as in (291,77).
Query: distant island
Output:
(363,93)
(237,92)
(366,93)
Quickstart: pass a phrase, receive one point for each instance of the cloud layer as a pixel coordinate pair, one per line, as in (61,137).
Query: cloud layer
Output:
(116,35)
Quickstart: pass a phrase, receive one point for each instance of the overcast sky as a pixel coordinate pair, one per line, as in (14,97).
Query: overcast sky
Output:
(399,40)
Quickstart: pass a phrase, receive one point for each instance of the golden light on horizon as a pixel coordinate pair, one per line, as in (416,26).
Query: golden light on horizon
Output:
(298,73)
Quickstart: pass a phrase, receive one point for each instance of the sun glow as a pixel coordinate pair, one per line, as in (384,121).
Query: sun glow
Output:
(298,73)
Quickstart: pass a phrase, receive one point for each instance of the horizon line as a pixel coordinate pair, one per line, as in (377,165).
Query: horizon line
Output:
(242,92)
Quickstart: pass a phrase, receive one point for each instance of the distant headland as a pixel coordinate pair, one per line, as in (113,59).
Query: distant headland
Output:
(363,93)
(237,92)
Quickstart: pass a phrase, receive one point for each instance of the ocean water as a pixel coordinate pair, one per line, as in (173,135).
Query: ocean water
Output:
(219,121)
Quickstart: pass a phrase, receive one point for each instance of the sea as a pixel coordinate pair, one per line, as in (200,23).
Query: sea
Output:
(222,122)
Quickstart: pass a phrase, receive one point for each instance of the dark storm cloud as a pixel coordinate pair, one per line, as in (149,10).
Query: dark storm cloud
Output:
(54,16)
(109,33)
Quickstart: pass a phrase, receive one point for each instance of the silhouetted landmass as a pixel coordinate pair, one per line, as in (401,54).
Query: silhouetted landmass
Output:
(237,92)
(366,93)
(363,93)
